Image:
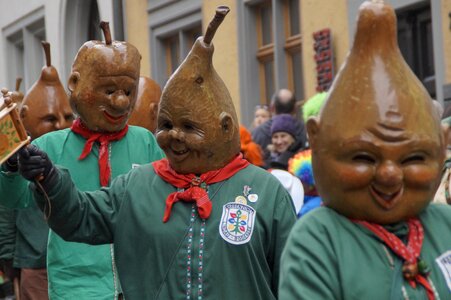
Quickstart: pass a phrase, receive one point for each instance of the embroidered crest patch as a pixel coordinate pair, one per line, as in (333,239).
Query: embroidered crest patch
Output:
(444,262)
(237,223)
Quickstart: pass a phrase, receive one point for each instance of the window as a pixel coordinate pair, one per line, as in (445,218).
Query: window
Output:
(416,45)
(81,24)
(173,53)
(24,52)
(265,52)
(174,27)
(270,47)
(293,46)
(94,32)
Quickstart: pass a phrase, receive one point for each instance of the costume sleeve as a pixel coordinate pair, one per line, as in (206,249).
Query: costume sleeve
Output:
(284,219)
(7,232)
(14,191)
(77,216)
(308,265)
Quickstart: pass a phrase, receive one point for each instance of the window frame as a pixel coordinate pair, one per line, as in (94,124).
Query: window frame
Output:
(252,54)
(25,34)
(165,20)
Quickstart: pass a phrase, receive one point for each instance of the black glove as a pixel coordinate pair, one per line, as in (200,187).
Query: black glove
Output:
(10,164)
(34,164)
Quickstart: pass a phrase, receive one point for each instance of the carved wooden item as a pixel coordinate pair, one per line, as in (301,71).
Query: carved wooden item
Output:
(12,133)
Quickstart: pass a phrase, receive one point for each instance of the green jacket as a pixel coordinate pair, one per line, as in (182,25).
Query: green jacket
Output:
(329,257)
(234,254)
(76,271)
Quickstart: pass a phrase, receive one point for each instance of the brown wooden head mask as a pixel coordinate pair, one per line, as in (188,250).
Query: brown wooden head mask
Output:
(103,83)
(146,107)
(377,144)
(46,106)
(197,123)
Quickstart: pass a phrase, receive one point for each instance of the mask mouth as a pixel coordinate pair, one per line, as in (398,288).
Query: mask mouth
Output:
(386,199)
(178,155)
(179,152)
(115,119)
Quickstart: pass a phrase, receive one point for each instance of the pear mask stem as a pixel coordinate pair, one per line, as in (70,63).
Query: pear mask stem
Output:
(18,82)
(46,46)
(221,12)
(105,26)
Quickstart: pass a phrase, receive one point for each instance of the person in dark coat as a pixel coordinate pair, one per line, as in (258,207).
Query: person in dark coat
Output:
(282,102)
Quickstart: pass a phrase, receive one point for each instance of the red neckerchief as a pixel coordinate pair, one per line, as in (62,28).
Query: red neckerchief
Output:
(195,186)
(409,253)
(104,139)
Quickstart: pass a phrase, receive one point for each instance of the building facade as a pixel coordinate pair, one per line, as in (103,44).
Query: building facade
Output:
(262,45)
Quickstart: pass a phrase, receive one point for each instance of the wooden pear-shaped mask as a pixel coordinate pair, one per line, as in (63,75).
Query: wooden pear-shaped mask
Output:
(377,143)
(46,107)
(197,122)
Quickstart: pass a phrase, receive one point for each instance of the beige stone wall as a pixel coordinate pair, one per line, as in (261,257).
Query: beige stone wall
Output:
(136,30)
(446,31)
(317,15)
(225,58)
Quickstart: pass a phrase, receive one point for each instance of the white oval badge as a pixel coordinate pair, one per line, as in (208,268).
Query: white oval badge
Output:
(253,197)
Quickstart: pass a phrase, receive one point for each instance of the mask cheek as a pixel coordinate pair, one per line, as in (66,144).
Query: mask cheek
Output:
(162,139)
(422,177)
(354,177)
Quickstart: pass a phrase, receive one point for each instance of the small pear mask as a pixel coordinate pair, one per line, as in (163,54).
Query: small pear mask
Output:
(197,123)
(377,143)
(46,106)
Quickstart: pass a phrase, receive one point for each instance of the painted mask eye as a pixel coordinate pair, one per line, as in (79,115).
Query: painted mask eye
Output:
(188,127)
(166,125)
(416,158)
(363,158)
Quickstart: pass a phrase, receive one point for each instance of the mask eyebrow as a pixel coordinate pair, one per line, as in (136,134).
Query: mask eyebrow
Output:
(389,133)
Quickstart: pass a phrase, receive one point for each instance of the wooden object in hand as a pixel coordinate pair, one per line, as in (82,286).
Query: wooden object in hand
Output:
(12,133)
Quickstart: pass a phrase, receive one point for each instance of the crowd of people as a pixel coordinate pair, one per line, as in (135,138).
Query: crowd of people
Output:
(196,206)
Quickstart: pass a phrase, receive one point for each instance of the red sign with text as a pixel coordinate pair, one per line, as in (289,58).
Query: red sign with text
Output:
(324,59)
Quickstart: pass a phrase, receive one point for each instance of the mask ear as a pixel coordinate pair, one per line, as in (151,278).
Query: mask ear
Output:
(24,111)
(312,130)
(227,125)
(73,81)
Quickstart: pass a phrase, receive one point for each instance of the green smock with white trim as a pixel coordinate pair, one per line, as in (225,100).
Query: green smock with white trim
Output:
(186,257)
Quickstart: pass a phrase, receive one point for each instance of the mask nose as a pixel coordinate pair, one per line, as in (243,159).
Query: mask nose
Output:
(389,174)
(177,135)
(120,101)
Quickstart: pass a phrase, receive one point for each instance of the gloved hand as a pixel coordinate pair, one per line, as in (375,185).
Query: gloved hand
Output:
(10,164)
(35,164)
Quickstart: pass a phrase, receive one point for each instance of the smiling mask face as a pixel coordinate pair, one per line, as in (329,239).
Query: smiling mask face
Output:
(103,84)
(382,164)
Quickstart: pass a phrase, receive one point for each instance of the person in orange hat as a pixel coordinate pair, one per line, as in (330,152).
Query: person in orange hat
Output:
(251,151)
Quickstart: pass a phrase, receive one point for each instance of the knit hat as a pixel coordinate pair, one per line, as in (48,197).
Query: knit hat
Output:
(283,123)
(300,166)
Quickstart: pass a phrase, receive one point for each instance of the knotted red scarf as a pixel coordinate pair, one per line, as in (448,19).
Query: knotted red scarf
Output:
(195,186)
(409,253)
(104,140)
